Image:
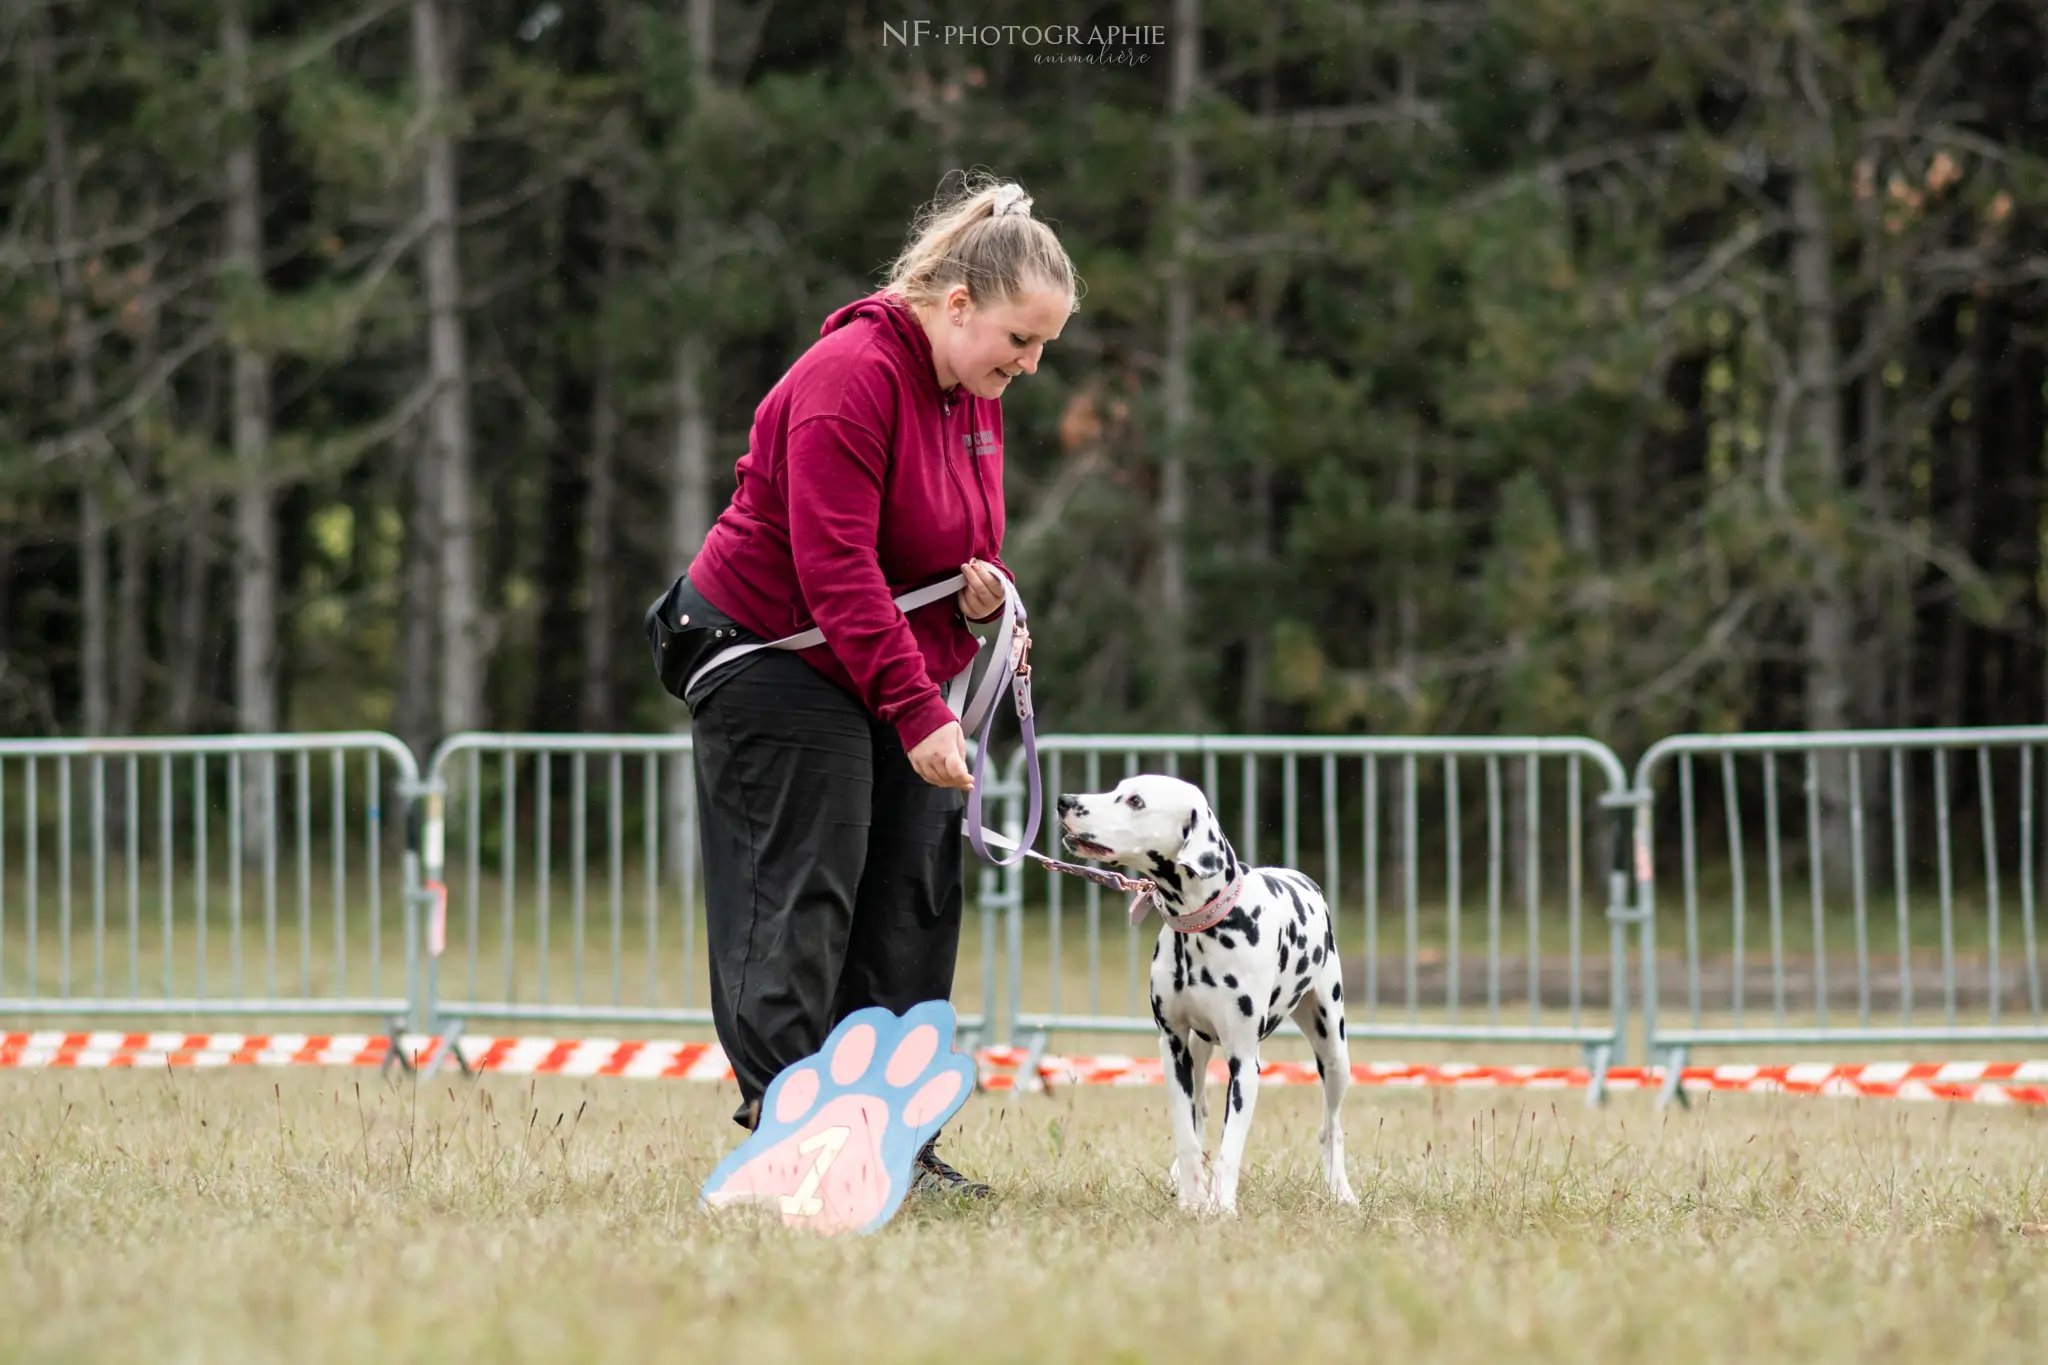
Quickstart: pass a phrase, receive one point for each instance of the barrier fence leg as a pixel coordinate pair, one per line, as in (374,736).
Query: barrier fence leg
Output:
(447,1043)
(1598,1057)
(394,1047)
(1030,1079)
(1672,1084)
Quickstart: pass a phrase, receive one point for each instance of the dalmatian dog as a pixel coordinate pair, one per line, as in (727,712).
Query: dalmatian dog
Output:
(1241,949)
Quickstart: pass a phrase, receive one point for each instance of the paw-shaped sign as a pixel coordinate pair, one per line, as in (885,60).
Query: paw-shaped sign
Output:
(840,1131)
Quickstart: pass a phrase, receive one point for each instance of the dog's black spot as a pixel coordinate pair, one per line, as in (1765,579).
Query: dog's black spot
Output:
(1207,980)
(1266,1030)
(1183,1065)
(1223,941)
(1188,828)
(1317,957)
(1276,998)
(1230,980)
(1300,906)
(1283,958)
(1319,1056)
(1274,886)
(1236,1093)
(1159,1013)
(1244,1006)
(1205,1037)
(1322,1030)
(1336,990)
(1180,963)
(1340,1027)
(1241,922)
(1164,872)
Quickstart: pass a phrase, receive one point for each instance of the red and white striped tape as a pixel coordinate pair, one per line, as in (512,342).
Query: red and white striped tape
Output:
(1980,1082)
(1972,1082)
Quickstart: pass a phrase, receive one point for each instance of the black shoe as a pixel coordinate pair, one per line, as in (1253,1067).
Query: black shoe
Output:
(934,1177)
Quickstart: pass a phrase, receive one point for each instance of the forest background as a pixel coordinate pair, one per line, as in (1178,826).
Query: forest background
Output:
(1611,367)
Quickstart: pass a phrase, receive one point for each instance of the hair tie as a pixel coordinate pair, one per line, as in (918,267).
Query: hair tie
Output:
(1012,199)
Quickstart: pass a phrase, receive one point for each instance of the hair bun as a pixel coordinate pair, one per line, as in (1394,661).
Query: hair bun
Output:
(1011,199)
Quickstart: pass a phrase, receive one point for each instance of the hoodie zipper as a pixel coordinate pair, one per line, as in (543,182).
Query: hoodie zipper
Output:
(953,472)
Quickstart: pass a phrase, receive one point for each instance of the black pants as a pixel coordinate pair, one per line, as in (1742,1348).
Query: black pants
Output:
(832,870)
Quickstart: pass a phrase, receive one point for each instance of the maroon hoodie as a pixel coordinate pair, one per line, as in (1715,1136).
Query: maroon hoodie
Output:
(861,481)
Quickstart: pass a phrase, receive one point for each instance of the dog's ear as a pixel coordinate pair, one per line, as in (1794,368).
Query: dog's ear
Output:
(1204,852)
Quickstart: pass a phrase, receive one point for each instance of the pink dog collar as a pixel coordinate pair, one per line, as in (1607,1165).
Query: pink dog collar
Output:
(1212,913)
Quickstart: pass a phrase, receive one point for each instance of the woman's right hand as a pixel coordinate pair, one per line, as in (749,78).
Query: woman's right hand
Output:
(940,758)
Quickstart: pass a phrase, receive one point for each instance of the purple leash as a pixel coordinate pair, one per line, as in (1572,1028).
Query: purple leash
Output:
(1011,666)
(1008,670)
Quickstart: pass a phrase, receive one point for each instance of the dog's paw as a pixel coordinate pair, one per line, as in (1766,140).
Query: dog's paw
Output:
(1200,1189)
(839,1131)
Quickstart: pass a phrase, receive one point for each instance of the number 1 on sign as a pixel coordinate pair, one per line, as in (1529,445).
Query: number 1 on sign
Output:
(805,1202)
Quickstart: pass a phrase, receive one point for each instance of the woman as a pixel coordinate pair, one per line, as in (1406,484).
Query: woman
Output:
(830,781)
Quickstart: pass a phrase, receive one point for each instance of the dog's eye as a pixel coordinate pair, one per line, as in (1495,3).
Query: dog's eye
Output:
(1135,801)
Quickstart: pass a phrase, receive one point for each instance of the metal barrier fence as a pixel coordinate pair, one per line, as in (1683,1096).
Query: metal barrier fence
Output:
(178,908)
(1421,964)
(515,827)
(554,878)
(1876,955)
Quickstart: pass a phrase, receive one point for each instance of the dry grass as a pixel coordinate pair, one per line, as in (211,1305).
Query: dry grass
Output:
(326,1216)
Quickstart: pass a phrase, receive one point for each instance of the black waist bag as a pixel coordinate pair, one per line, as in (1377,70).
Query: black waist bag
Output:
(681,647)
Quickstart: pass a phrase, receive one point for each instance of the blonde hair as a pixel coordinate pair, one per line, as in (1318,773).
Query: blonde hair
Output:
(982,235)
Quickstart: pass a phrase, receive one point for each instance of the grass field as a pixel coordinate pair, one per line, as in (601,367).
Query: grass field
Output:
(326,1216)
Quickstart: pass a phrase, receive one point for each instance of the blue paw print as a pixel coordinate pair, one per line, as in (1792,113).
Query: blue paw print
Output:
(839,1131)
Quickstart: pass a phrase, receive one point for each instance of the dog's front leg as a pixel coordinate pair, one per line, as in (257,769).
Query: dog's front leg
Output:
(1240,1097)
(1182,1084)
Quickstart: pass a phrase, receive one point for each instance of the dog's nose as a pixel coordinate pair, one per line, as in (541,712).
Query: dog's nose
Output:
(1069,804)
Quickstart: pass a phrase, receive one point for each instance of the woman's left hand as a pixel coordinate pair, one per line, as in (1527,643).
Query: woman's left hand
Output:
(983,594)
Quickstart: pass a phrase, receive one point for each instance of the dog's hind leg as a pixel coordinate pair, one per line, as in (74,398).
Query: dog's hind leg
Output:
(1183,1089)
(1240,1098)
(1320,1016)
(1201,1049)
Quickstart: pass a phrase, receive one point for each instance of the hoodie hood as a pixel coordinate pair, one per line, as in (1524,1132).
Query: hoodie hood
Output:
(894,320)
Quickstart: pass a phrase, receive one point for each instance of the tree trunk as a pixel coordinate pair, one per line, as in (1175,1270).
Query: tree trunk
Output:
(413,712)
(553,708)
(690,473)
(689,521)
(185,619)
(1170,653)
(1407,598)
(255,523)
(1828,637)
(1408,486)
(690,487)
(132,646)
(1871,703)
(80,396)
(600,627)
(449,449)
(92,550)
